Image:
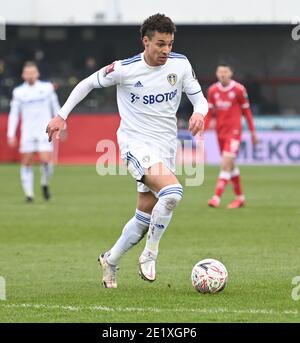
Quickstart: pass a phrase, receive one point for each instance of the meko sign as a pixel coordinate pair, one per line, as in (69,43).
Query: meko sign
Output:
(274,147)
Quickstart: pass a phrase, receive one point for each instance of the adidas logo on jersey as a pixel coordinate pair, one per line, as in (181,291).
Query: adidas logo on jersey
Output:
(138,84)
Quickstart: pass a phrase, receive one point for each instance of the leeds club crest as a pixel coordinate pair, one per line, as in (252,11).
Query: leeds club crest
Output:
(172,78)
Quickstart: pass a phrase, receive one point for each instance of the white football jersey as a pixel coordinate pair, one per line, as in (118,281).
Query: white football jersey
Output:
(37,104)
(148,97)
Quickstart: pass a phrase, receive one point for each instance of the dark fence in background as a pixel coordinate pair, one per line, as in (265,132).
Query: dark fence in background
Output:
(265,58)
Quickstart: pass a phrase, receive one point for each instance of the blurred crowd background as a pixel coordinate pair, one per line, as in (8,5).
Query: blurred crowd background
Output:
(263,54)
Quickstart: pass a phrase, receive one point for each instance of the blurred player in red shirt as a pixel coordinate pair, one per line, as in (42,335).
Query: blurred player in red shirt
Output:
(228,100)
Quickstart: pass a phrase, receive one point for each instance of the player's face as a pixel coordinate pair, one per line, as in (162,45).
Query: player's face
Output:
(30,74)
(224,75)
(158,47)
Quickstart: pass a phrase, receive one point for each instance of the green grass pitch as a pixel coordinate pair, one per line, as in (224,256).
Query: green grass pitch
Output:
(48,251)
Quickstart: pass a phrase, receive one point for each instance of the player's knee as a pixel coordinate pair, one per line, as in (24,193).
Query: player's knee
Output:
(170,196)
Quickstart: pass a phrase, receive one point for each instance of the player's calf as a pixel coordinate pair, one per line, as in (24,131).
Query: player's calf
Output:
(169,198)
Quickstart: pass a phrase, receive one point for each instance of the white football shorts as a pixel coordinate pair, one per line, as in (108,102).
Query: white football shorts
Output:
(138,157)
(35,144)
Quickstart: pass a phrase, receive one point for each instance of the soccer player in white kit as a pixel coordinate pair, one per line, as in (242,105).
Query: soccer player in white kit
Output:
(37,103)
(149,88)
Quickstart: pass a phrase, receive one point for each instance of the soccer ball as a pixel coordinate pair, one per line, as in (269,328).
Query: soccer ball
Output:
(209,276)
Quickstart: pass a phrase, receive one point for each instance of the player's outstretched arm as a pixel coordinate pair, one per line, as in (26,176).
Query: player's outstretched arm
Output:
(105,77)
(57,124)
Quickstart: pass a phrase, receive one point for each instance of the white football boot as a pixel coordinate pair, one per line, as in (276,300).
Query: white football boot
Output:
(147,267)
(109,277)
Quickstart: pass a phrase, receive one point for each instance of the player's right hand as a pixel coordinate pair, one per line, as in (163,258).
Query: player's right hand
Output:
(12,142)
(56,125)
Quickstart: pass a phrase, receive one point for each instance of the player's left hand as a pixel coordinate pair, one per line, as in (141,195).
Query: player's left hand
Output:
(196,123)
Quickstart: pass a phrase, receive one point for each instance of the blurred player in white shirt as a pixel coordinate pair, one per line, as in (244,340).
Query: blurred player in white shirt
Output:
(36,102)
(149,88)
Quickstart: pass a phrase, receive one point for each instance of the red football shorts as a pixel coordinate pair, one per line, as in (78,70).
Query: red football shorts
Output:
(229,146)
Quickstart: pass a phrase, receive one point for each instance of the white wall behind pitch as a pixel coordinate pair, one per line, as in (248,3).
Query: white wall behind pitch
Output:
(134,11)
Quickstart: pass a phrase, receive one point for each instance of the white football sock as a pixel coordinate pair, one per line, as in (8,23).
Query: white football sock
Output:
(27,180)
(132,233)
(46,173)
(169,198)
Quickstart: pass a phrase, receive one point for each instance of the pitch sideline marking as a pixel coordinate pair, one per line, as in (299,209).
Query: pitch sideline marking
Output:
(101,308)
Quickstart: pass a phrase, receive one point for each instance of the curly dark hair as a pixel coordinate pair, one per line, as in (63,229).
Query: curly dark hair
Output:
(157,22)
